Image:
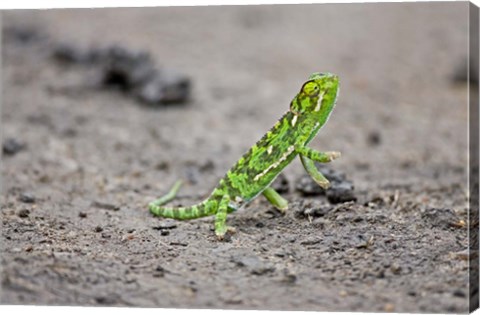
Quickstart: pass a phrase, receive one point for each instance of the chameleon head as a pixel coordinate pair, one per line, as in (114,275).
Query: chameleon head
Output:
(317,96)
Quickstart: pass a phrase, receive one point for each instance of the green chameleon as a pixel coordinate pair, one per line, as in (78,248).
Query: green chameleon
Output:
(256,169)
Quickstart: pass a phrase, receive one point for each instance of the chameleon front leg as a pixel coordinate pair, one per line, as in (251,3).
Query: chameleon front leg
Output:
(275,199)
(322,157)
(221,217)
(318,177)
(308,156)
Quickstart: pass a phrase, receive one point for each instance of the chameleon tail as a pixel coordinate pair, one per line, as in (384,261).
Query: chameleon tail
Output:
(183,213)
(168,197)
(206,208)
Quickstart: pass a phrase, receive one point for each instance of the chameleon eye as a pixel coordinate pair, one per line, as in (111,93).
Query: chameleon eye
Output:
(310,88)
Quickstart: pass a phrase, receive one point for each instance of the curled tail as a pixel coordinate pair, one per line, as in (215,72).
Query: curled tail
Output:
(205,208)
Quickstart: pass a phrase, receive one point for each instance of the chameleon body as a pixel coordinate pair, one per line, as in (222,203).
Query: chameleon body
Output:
(256,169)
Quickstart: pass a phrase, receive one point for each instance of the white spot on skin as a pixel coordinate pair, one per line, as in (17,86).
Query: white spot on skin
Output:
(294,120)
(319,102)
(277,163)
(269,150)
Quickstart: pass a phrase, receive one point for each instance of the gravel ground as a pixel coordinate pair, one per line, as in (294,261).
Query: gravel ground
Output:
(88,142)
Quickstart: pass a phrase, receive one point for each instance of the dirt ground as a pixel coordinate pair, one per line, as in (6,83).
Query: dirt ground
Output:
(80,163)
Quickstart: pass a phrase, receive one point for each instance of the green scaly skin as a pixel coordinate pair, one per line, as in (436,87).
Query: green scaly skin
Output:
(256,169)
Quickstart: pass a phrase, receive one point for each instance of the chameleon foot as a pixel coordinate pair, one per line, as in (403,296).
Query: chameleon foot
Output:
(333,155)
(228,230)
(276,200)
(283,211)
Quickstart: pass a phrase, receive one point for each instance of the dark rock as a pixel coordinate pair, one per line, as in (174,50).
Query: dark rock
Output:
(331,174)
(162,166)
(22,34)
(159,272)
(208,166)
(12,146)
(24,213)
(27,198)
(105,205)
(125,69)
(289,277)
(311,241)
(163,88)
(98,229)
(281,184)
(341,192)
(178,243)
(68,54)
(132,72)
(374,138)
(317,211)
(307,186)
(459,293)
(107,300)
(167,225)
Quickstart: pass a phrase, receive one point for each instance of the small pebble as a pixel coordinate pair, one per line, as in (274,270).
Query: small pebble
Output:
(22,35)
(396,269)
(27,198)
(12,146)
(68,54)
(289,277)
(105,205)
(167,225)
(158,272)
(98,229)
(459,293)
(389,307)
(179,243)
(24,213)
(374,138)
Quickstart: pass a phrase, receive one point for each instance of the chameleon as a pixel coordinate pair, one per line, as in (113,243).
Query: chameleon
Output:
(262,163)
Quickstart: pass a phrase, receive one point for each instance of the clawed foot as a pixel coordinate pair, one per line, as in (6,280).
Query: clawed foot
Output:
(324,184)
(221,234)
(333,155)
(282,210)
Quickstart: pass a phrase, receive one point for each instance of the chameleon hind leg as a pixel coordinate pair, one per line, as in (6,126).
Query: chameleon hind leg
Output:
(308,156)
(275,199)
(221,218)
